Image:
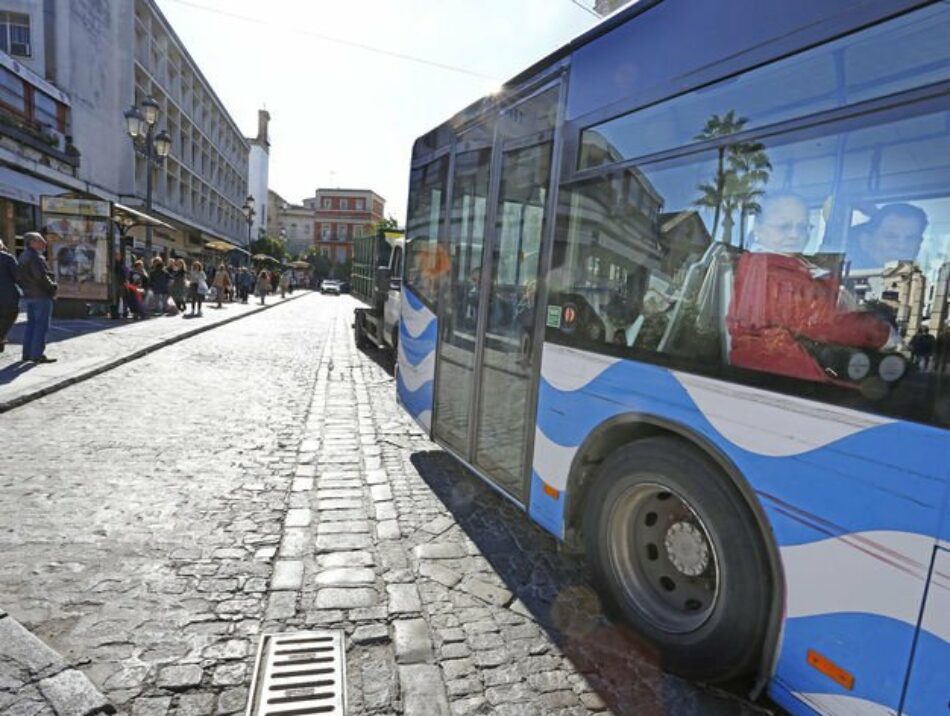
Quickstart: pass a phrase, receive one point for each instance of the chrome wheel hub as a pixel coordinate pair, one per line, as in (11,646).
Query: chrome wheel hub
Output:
(687,549)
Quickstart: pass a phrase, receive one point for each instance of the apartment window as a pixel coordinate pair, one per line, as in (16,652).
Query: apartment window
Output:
(344,204)
(325,232)
(15,34)
(327,204)
(341,232)
(12,91)
(360,204)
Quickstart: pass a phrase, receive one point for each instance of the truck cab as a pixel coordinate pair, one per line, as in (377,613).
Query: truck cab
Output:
(377,283)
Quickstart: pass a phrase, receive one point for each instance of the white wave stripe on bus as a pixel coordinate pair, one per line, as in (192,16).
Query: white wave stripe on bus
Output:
(415,376)
(415,321)
(769,424)
(842,705)
(424,419)
(568,369)
(876,572)
(552,462)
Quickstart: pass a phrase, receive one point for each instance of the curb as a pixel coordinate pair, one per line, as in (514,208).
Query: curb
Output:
(134,355)
(36,677)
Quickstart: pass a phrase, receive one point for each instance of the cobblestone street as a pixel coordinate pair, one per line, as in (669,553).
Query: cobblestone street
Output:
(155,519)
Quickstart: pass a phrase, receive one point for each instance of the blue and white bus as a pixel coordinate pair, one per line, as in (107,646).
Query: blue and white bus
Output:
(680,291)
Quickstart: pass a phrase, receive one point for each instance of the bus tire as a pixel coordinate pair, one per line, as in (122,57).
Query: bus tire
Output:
(680,558)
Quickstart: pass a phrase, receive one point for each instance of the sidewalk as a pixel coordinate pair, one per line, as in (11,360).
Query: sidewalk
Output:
(84,348)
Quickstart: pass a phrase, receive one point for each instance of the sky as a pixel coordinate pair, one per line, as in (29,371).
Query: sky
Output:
(343,116)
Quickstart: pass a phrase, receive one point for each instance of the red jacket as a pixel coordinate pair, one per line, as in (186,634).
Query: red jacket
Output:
(778,299)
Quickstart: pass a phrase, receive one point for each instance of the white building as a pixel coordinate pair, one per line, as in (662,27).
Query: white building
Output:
(257,175)
(76,67)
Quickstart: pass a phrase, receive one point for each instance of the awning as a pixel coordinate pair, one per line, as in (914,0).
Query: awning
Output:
(26,188)
(222,245)
(128,215)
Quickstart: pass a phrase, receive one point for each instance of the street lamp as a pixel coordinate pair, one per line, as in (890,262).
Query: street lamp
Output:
(140,124)
(249,215)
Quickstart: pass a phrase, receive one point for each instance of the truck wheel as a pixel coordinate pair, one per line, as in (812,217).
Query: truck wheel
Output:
(359,334)
(680,557)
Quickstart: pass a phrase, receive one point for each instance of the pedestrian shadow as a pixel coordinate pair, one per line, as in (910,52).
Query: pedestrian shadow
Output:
(63,329)
(13,371)
(555,587)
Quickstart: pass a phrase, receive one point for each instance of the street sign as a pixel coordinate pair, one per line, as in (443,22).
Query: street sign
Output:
(75,207)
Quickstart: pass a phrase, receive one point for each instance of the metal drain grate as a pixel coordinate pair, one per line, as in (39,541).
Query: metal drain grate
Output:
(298,674)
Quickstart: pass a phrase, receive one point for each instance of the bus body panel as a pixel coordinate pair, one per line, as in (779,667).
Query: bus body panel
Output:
(854,503)
(653,67)
(418,331)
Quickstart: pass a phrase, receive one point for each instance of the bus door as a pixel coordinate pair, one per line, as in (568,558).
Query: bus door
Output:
(506,354)
(458,313)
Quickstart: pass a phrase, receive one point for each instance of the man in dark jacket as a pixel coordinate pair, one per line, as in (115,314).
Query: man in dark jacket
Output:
(39,290)
(9,294)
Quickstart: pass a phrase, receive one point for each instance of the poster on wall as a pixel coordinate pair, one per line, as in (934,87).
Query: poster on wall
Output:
(79,251)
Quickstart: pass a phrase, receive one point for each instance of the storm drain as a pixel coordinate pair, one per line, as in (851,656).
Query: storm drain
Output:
(298,674)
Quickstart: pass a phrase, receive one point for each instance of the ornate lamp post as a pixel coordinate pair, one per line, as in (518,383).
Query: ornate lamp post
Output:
(140,124)
(249,215)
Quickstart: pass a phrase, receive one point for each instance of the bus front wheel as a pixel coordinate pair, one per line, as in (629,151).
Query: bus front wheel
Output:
(680,557)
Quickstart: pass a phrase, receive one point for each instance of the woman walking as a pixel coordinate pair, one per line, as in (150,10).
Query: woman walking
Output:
(159,280)
(136,288)
(9,294)
(179,284)
(263,285)
(198,287)
(284,283)
(222,283)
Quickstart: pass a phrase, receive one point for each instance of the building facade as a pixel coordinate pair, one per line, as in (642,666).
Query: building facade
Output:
(605,7)
(341,215)
(257,174)
(68,71)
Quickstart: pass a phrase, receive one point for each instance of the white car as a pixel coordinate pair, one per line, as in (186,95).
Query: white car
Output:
(330,285)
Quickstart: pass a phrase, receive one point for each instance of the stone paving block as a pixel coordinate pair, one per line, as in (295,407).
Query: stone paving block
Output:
(288,574)
(345,575)
(470,706)
(439,550)
(486,592)
(353,558)
(302,484)
(195,705)
(381,493)
(438,525)
(298,517)
(340,504)
(179,677)
(440,574)
(343,542)
(388,530)
(370,634)
(403,598)
(347,527)
(376,477)
(385,510)
(70,693)
(423,692)
(339,493)
(227,649)
(232,700)
(412,641)
(346,598)
(229,674)
(153,706)
(281,605)
(26,650)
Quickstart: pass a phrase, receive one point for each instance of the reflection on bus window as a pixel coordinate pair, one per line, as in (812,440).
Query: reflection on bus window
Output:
(815,263)
(424,263)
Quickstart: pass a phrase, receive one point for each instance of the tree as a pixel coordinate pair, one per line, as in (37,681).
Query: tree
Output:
(388,224)
(321,264)
(272,246)
(741,170)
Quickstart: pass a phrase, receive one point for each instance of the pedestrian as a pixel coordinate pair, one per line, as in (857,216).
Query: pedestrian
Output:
(136,289)
(179,284)
(221,283)
(922,347)
(160,281)
(244,281)
(262,286)
(121,274)
(284,283)
(9,294)
(198,287)
(39,290)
